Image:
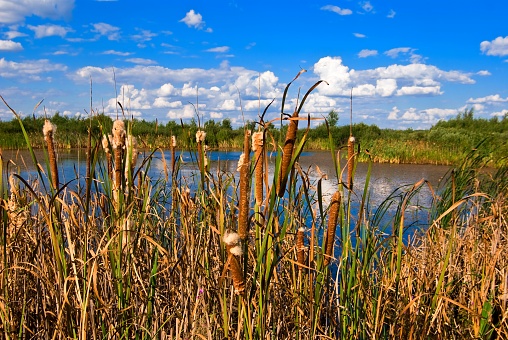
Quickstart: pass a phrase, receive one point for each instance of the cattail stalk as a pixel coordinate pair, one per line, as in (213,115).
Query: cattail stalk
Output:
(350,161)
(49,130)
(243,204)
(257,147)
(300,247)
(287,154)
(234,251)
(333,215)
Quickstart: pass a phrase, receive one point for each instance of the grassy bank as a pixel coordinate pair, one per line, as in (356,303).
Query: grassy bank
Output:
(222,255)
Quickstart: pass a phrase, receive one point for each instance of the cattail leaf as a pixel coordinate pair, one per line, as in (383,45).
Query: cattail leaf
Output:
(287,88)
(308,92)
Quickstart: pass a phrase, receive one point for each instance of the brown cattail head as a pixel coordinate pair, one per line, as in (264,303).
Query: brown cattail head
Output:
(333,216)
(350,161)
(257,147)
(287,154)
(234,250)
(200,139)
(173,153)
(107,140)
(300,247)
(243,204)
(132,146)
(118,147)
(49,136)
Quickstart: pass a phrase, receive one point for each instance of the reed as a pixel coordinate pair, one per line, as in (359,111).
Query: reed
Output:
(156,260)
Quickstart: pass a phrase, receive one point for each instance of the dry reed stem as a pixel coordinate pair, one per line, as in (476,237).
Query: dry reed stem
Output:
(257,147)
(350,161)
(333,215)
(49,130)
(300,248)
(234,249)
(243,204)
(287,154)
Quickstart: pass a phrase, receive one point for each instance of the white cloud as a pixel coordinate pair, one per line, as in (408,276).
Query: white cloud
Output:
(359,35)
(16,11)
(386,87)
(216,115)
(419,90)
(10,46)
(13,34)
(393,113)
(228,105)
(166,90)
(220,49)
(336,9)
(187,112)
(502,113)
(29,70)
(394,52)
(107,30)
(335,73)
(391,14)
(164,103)
(193,19)
(483,73)
(43,31)
(367,53)
(496,98)
(367,7)
(141,61)
(496,47)
(143,35)
(113,52)
(411,114)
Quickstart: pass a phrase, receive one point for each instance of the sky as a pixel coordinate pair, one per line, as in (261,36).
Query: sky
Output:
(408,64)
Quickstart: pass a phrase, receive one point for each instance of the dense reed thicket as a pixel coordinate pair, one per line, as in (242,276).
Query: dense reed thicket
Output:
(118,255)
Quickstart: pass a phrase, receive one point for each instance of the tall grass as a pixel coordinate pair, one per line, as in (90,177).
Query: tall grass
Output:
(194,257)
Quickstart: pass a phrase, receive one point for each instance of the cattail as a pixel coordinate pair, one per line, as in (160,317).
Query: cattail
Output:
(287,153)
(234,250)
(132,145)
(300,247)
(49,132)
(350,161)
(200,138)
(333,215)
(118,147)
(106,141)
(257,147)
(173,153)
(243,204)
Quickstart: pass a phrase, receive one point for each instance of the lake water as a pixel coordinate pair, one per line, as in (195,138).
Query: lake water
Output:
(385,178)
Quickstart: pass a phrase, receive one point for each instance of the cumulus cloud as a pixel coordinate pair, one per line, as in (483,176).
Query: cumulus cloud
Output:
(502,113)
(395,52)
(393,115)
(391,14)
(16,11)
(186,113)
(195,20)
(10,46)
(107,30)
(335,73)
(496,47)
(113,52)
(43,31)
(483,73)
(367,53)
(13,34)
(367,6)
(419,90)
(336,9)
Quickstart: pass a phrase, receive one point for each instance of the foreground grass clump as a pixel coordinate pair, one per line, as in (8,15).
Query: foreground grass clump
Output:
(117,254)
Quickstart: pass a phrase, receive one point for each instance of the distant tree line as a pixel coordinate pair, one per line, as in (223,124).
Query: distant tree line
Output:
(446,142)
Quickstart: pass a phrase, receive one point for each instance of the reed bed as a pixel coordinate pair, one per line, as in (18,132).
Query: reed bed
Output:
(133,257)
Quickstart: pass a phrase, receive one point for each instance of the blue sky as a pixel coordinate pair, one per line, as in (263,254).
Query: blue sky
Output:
(408,63)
